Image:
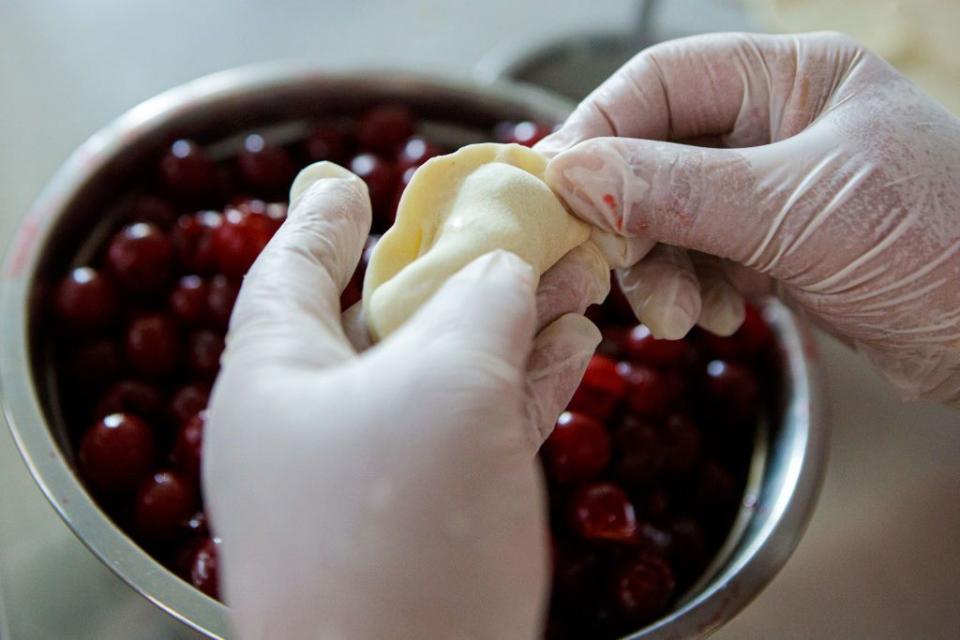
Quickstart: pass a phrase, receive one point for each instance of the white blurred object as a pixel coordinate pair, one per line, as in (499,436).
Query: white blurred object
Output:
(918,37)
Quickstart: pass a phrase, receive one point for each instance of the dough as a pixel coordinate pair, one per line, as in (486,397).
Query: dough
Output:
(457,208)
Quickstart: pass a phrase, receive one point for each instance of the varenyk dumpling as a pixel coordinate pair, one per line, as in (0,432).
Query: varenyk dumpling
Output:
(455,209)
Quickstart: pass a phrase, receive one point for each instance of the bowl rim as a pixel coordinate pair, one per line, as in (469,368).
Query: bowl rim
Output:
(748,570)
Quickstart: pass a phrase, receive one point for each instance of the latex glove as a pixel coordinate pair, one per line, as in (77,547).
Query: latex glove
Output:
(393,494)
(844,186)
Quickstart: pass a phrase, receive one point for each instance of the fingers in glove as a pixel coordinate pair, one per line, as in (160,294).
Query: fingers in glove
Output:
(732,203)
(741,86)
(663,291)
(581,278)
(620,251)
(560,355)
(723,308)
(289,304)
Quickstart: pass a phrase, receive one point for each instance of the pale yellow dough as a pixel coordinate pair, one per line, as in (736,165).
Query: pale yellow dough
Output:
(457,208)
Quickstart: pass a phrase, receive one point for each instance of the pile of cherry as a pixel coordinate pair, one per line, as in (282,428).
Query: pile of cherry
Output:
(645,469)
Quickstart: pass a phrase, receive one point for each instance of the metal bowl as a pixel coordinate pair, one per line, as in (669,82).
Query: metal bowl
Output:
(75,209)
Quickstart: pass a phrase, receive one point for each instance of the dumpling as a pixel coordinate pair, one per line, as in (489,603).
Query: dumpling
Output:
(457,208)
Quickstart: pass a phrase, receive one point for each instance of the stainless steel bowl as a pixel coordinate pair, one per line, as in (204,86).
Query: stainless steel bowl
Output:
(75,209)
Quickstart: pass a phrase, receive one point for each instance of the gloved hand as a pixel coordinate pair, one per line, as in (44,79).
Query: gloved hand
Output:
(393,493)
(842,185)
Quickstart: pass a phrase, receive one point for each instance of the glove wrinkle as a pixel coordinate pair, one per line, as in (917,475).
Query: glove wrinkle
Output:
(845,190)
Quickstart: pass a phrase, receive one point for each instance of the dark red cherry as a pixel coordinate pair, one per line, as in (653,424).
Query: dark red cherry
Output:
(733,389)
(265,167)
(240,239)
(221,296)
(116,453)
(148,208)
(655,504)
(140,258)
(643,348)
(677,383)
(152,345)
(574,567)
(597,618)
(643,587)
(653,539)
(382,129)
(276,211)
(600,390)
(612,343)
(94,364)
(754,335)
(415,152)
(639,451)
(616,308)
(203,353)
(681,444)
(193,241)
(86,301)
(327,141)
(716,489)
(723,347)
(188,302)
(188,172)
(381,179)
(166,500)
(577,450)
(130,397)
(188,448)
(188,401)
(602,511)
(648,392)
(752,338)
(245,205)
(557,628)
(688,547)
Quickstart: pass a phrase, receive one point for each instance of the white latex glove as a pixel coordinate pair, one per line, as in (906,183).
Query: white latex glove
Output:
(843,186)
(393,494)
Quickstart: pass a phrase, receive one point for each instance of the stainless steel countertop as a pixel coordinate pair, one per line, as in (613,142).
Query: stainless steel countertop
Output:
(879,560)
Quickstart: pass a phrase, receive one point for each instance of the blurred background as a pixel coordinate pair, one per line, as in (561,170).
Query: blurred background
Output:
(879,559)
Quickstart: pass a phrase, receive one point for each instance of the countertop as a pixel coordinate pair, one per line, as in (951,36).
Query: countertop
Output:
(879,559)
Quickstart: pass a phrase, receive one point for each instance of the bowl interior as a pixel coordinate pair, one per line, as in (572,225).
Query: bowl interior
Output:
(70,220)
